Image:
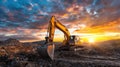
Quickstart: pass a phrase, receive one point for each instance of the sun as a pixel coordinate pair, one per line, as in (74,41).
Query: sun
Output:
(91,40)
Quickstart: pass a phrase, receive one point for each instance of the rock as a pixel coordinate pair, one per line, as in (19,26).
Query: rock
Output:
(11,41)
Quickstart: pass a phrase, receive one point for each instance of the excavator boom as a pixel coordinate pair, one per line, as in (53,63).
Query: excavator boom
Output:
(56,24)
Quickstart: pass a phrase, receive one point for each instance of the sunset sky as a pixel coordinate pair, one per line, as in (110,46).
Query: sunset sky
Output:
(27,20)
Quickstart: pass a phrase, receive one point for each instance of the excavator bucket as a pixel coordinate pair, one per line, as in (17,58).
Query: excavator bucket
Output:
(46,51)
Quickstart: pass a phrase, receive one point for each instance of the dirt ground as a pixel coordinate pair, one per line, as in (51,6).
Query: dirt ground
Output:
(80,58)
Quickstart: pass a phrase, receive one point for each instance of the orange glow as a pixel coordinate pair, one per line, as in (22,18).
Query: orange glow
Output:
(98,37)
(99,33)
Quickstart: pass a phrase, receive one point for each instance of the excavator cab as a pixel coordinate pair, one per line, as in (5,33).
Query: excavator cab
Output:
(72,40)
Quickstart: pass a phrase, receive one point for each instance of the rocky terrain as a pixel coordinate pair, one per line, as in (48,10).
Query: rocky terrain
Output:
(10,41)
(16,54)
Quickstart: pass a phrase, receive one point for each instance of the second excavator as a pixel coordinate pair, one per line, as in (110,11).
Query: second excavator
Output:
(47,50)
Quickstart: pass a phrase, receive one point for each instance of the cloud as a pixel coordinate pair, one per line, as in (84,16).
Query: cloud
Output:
(32,15)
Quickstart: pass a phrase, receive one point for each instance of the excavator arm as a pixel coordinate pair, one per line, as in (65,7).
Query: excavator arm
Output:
(56,24)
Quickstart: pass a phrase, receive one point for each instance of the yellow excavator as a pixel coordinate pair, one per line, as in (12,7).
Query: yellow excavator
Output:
(47,50)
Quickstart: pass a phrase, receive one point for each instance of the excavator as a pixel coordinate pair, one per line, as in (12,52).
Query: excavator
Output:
(47,50)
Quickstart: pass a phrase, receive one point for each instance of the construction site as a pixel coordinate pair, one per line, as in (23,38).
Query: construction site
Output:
(59,33)
(70,53)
